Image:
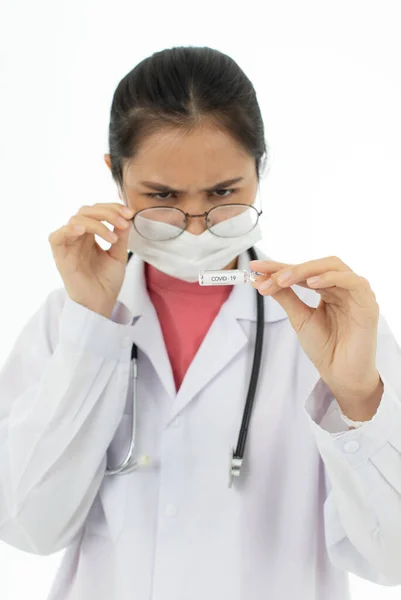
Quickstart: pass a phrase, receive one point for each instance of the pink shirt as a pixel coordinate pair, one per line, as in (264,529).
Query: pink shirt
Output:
(186,312)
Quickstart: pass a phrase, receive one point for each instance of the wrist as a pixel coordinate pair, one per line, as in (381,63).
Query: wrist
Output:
(103,309)
(365,407)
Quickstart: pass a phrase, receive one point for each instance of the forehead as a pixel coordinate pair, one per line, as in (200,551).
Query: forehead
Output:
(190,158)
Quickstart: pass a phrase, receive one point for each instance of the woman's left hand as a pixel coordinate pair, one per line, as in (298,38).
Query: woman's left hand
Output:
(340,335)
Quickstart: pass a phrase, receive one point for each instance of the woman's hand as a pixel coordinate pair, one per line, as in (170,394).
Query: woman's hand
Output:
(340,335)
(92,276)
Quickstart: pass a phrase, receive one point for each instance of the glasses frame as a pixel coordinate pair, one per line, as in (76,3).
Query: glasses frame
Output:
(205,215)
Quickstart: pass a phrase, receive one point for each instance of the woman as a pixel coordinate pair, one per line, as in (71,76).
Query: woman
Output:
(319,491)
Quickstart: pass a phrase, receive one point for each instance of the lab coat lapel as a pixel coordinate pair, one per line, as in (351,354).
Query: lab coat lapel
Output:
(148,336)
(222,342)
(225,338)
(146,332)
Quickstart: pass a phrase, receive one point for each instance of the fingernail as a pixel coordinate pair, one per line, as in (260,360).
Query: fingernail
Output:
(266,285)
(284,276)
(127,212)
(122,223)
(255,274)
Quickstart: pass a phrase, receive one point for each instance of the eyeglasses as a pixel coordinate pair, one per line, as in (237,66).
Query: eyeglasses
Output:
(162,223)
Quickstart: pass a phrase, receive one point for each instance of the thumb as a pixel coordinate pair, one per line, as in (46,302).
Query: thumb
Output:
(119,249)
(298,312)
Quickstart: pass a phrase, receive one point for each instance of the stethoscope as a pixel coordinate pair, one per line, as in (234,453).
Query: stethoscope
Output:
(236,456)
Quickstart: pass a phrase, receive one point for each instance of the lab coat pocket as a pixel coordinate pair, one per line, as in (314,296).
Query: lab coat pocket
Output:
(107,513)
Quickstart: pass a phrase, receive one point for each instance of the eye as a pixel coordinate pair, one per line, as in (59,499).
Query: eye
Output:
(232,190)
(156,194)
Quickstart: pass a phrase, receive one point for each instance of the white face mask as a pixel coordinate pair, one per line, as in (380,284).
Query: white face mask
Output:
(185,256)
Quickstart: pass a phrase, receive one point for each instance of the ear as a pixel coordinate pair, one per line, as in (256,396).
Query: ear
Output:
(107,160)
(108,163)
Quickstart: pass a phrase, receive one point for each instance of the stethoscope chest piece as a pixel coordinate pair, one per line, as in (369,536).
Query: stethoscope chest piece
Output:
(234,467)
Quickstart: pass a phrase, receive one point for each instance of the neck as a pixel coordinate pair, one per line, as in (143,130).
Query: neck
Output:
(233,264)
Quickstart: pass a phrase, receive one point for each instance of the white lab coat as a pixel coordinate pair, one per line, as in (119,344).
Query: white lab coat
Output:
(313,501)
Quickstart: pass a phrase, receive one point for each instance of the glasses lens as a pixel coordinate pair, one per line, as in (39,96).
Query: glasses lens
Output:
(232,220)
(159,224)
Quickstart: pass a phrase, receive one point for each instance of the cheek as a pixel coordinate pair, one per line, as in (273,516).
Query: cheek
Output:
(138,202)
(133,200)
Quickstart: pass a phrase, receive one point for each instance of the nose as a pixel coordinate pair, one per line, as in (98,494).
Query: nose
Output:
(196,225)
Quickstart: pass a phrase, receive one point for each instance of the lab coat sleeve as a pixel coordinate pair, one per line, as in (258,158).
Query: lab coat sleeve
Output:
(60,404)
(362,511)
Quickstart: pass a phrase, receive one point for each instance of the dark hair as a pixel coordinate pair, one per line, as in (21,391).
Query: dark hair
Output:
(178,88)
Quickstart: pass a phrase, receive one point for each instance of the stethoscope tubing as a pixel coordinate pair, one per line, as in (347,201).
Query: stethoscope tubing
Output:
(128,464)
(237,455)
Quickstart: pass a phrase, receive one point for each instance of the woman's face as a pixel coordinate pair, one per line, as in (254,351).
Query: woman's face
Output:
(182,170)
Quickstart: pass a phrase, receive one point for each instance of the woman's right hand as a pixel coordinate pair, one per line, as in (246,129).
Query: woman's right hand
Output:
(92,276)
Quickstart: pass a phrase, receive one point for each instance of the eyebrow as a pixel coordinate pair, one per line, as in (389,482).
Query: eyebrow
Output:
(165,188)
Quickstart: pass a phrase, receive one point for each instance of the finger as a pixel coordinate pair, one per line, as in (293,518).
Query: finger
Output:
(121,217)
(262,279)
(117,215)
(301,272)
(346,285)
(268,266)
(94,226)
(297,310)
(66,234)
(106,211)
(119,249)
(347,280)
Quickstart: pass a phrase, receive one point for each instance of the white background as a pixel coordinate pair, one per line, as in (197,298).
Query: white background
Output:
(328,81)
